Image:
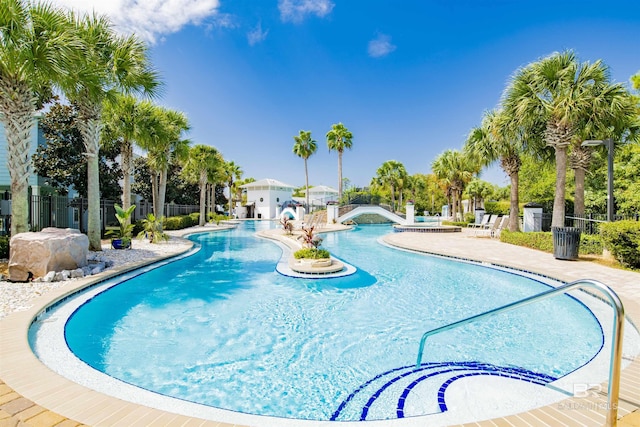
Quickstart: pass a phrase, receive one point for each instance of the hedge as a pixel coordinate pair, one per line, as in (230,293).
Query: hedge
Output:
(543,241)
(622,239)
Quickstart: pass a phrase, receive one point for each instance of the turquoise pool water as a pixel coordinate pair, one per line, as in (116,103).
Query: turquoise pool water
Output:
(222,328)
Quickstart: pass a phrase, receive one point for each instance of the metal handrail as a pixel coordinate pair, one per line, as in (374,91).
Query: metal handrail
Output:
(616,336)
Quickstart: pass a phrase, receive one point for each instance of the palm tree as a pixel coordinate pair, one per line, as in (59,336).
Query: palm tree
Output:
(105,64)
(123,118)
(495,140)
(203,164)
(456,170)
(232,172)
(339,138)
(392,173)
(35,51)
(304,147)
(613,116)
(162,139)
(559,92)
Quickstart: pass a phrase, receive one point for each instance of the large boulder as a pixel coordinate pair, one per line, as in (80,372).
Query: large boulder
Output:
(52,249)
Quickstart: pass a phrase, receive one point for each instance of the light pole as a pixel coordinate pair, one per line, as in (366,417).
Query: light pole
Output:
(609,144)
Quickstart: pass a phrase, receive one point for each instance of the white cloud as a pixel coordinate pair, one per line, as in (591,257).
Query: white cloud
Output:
(149,19)
(380,46)
(257,35)
(297,10)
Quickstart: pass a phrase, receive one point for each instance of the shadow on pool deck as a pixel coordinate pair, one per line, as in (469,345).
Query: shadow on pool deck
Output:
(18,410)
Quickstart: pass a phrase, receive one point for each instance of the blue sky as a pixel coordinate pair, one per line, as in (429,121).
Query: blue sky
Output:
(409,78)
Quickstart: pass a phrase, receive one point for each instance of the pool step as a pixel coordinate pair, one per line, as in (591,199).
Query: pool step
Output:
(412,391)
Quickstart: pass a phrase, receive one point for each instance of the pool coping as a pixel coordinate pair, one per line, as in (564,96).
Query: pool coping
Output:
(27,378)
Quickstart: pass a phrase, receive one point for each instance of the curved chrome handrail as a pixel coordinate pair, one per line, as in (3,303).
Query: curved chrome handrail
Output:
(613,391)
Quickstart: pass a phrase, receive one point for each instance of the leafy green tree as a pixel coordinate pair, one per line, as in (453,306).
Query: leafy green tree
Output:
(103,65)
(35,47)
(339,138)
(559,91)
(627,180)
(61,159)
(304,148)
(537,181)
(204,164)
(391,174)
(179,191)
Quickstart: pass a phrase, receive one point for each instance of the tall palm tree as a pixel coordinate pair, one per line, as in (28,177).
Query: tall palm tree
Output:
(203,164)
(233,172)
(392,174)
(106,64)
(558,91)
(613,115)
(35,51)
(456,170)
(163,142)
(339,138)
(124,118)
(304,147)
(495,139)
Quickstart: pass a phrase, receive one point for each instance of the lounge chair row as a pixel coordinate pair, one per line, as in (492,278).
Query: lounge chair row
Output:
(491,225)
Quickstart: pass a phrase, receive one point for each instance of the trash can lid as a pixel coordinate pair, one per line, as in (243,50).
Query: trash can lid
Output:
(532,205)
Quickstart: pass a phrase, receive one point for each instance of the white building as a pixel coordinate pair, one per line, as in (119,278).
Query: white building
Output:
(264,198)
(320,195)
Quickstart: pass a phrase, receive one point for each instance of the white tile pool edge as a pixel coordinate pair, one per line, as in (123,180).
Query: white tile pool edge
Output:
(24,373)
(55,354)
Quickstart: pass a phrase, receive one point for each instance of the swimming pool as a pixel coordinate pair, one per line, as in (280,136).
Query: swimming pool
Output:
(223,329)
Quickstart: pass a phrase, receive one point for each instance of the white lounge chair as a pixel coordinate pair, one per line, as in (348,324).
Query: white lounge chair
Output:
(491,223)
(490,227)
(485,220)
(503,224)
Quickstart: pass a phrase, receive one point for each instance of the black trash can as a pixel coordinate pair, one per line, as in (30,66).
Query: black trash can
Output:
(566,242)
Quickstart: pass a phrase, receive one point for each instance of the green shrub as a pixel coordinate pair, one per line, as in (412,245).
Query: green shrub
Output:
(4,247)
(590,244)
(543,241)
(311,253)
(540,240)
(216,218)
(497,208)
(469,217)
(195,218)
(622,239)
(173,223)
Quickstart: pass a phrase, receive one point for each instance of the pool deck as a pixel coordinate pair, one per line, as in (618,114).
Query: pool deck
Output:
(33,395)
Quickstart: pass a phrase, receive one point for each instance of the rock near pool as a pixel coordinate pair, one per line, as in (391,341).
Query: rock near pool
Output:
(52,249)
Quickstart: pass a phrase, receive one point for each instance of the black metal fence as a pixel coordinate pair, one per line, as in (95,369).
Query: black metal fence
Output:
(71,212)
(589,223)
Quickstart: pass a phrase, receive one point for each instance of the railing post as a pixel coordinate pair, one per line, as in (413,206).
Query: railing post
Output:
(613,392)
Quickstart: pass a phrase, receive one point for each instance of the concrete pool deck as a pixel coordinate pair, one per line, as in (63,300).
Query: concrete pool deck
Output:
(32,395)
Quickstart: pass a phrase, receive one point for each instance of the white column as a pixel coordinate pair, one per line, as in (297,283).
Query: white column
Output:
(411,213)
(300,213)
(332,213)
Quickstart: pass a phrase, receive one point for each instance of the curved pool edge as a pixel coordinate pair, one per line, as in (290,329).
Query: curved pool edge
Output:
(23,372)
